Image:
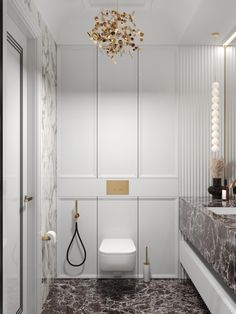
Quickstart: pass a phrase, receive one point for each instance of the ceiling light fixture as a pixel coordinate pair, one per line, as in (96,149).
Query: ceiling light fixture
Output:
(115,32)
(229,41)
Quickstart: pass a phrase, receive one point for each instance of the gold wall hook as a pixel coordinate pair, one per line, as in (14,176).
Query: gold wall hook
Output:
(46,238)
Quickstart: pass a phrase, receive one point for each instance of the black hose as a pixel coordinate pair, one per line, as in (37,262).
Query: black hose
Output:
(67,253)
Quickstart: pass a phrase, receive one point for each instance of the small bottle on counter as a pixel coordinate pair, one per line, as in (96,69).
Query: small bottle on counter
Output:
(225,191)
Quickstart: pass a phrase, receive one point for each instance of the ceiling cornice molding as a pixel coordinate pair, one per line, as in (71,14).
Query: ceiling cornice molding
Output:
(17,7)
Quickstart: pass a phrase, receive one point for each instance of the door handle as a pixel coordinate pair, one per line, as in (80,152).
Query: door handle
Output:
(28,198)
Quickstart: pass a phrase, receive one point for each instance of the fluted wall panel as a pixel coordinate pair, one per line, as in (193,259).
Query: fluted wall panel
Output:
(231,112)
(198,67)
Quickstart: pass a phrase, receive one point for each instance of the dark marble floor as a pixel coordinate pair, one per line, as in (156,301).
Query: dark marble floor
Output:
(86,296)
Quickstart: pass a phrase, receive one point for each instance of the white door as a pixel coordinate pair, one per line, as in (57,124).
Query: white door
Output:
(15,172)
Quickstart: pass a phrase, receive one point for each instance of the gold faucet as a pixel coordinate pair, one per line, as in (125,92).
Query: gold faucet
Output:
(76,215)
(233,186)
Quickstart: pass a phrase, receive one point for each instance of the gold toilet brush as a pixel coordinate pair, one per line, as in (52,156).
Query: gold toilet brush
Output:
(146,268)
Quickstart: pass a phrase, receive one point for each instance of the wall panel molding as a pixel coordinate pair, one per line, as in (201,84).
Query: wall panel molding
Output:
(158,224)
(117,117)
(198,67)
(121,119)
(231,112)
(158,112)
(77,114)
(88,217)
(106,214)
(148,187)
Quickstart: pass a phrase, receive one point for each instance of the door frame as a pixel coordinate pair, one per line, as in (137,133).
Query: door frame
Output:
(26,22)
(1,159)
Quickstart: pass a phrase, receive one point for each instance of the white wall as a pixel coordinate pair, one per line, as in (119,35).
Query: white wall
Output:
(29,20)
(231,112)
(118,121)
(198,67)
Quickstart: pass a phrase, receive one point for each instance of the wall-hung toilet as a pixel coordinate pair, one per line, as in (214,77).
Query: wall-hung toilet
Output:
(117,255)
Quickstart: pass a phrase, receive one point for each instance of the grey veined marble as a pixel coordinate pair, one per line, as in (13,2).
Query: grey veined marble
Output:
(48,155)
(89,296)
(48,106)
(213,236)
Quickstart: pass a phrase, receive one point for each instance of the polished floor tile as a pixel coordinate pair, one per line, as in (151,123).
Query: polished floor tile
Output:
(86,296)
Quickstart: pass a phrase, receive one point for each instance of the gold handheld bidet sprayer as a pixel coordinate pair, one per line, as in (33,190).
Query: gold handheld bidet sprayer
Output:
(76,232)
(76,215)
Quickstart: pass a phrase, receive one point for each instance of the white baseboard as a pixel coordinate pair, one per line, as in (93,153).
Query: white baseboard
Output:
(87,276)
(160,276)
(104,276)
(139,276)
(212,292)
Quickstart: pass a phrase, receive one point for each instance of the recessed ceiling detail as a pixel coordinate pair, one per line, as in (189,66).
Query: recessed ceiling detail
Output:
(141,4)
(171,22)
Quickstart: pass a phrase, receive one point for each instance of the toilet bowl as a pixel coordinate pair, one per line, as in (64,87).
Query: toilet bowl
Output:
(117,255)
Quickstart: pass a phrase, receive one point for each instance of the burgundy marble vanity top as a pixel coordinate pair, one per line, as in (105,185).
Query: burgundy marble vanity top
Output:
(213,236)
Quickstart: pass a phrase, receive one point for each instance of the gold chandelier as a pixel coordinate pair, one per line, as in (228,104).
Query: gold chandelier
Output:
(115,33)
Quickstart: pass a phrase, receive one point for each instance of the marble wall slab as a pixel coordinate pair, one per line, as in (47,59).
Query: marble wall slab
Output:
(48,129)
(48,156)
(213,236)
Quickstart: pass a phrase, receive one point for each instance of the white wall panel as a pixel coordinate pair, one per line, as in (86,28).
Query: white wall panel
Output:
(198,68)
(158,112)
(77,88)
(117,117)
(87,225)
(117,219)
(159,187)
(231,112)
(158,229)
(128,129)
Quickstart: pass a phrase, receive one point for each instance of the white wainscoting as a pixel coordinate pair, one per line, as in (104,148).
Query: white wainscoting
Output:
(151,222)
(119,121)
(158,229)
(75,187)
(106,131)
(117,117)
(77,111)
(158,112)
(117,218)
(231,112)
(198,67)
(87,225)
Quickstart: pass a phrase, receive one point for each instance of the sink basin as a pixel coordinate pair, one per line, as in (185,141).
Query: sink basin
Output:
(223,210)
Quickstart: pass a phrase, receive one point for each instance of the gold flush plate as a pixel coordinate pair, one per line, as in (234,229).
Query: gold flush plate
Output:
(117,187)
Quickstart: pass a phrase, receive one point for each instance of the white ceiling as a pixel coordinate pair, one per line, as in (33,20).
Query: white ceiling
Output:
(163,21)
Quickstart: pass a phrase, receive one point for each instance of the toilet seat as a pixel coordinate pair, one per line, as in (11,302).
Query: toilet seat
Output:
(117,255)
(117,246)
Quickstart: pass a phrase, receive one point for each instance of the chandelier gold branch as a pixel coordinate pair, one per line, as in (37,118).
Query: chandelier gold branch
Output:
(115,32)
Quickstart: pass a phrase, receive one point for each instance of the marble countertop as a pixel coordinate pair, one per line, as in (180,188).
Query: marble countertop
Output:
(213,236)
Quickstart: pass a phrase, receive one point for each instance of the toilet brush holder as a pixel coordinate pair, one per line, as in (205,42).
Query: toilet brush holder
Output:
(146,268)
(146,272)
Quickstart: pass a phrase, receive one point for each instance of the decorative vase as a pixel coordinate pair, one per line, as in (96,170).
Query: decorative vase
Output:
(216,189)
